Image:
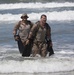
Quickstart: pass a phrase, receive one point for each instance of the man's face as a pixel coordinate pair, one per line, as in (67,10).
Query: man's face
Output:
(24,18)
(43,19)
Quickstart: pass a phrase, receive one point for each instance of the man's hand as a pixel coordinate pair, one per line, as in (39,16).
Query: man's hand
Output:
(27,42)
(16,37)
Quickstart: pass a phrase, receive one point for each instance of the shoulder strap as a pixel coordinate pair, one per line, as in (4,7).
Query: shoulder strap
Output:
(36,29)
(38,25)
(30,23)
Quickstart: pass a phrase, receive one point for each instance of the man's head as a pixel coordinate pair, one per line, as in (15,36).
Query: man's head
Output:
(24,16)
(43,18)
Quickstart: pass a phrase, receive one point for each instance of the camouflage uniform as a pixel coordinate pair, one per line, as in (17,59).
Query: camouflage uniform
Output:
(39,34)
(23,29)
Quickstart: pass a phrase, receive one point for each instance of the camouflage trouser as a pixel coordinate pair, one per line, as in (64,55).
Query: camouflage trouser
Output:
(39,48)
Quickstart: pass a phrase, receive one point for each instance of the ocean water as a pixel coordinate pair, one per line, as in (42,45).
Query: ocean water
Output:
(60,16)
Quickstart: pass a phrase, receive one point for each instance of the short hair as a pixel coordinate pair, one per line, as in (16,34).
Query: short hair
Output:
(43,15)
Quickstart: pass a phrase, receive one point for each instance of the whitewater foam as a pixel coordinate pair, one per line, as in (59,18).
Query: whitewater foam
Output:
(64,15)
(45,65)
(36,5)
